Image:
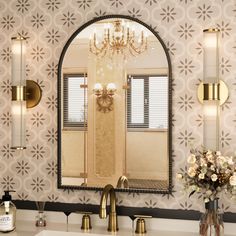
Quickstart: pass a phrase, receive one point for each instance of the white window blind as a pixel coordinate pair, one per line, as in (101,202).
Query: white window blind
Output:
(75,101)
(147,102)
(137,98)
(158,102)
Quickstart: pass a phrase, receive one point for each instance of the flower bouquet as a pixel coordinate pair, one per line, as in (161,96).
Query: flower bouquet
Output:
(210,173)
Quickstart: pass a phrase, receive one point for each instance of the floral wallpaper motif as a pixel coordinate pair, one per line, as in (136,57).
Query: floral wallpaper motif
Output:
(47,25)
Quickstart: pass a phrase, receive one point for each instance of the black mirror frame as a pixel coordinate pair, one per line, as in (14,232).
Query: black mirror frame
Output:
(59,183)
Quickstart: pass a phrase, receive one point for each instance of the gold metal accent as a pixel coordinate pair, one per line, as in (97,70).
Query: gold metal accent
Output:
(33,93)
(105,103)
(18,148)
(86,221)
(18,38)
(126,86)
(104,99)
(120,41)
(213,91)
(112,222)
(211,30)
(140,226)
(123,182)
(18,93)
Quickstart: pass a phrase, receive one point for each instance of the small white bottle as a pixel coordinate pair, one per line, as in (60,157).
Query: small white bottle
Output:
(7,213)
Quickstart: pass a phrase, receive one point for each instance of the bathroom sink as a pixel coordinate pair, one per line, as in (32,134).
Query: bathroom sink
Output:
(61,233)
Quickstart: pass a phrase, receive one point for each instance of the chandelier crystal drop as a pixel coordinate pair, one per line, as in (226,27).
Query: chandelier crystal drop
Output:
(118,40)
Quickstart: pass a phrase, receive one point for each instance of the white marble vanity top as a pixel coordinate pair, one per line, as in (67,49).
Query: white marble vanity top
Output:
(56,226)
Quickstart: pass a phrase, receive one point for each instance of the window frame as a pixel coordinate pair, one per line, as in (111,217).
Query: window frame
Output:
(69,125)
(141,127)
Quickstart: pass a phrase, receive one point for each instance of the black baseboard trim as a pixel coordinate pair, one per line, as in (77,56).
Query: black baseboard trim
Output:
(122,210)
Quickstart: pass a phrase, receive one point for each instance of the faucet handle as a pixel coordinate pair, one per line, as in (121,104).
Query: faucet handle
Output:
(86,220)
(140,224)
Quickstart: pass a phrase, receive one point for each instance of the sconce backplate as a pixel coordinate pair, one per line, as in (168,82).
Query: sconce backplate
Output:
(223,92)
(105,103)
(33,93)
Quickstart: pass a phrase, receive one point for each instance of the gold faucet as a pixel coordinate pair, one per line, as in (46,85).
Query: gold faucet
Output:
(123,182)
(112,222)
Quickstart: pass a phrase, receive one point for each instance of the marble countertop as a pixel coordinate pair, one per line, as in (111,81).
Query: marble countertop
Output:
(25,225)
(26,228)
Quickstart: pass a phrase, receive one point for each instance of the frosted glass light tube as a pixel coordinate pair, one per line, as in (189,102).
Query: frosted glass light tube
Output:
(211,76)
(211,55)
(18,97)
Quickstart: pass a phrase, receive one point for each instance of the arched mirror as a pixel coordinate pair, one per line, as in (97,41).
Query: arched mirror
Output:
(114,108)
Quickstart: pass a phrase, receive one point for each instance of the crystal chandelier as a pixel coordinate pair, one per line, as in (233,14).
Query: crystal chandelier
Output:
(118,40)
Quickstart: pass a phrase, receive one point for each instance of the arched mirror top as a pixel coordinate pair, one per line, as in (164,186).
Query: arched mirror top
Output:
(90,26)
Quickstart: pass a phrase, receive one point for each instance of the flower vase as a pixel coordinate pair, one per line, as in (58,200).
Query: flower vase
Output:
(211,222)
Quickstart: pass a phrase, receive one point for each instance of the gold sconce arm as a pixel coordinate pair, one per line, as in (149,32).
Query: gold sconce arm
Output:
(104,96)
(31,93)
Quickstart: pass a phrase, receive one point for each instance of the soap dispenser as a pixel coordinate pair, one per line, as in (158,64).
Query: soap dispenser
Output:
(7,213)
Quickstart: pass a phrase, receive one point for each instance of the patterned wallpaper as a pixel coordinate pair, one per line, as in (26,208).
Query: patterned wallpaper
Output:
(48,24)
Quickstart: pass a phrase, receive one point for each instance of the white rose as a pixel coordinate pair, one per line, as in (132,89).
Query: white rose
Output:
(191,172)
(204,169)
(221,160)
(214,177)
(232,179)
(210,158)
(209,152)
(230,161)
(212,167)
(218,153)
(191,159)
(201,176)
(206,200)
(208,192)
(179,176)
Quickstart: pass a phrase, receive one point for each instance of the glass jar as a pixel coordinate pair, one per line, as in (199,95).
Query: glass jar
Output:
(211,222)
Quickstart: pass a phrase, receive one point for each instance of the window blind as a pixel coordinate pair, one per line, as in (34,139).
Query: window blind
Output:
(75,101)
(158,102)
(147,102)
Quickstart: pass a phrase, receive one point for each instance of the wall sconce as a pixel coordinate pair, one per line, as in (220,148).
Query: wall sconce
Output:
(25,93)
(104,96)
(212,92)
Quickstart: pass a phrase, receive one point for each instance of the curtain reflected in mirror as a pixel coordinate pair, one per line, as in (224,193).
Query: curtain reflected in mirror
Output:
(114,114)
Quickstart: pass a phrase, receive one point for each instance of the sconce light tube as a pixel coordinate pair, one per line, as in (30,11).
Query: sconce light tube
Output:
(211,55)
(211,88)
(18,93)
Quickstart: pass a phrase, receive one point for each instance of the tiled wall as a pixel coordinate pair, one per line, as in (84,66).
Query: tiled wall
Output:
(48,24)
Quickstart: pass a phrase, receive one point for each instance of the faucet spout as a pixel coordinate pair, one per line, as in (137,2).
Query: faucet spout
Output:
(123,182)
(112,222)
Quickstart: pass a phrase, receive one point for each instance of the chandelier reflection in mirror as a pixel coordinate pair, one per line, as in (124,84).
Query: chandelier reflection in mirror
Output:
(118,40)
